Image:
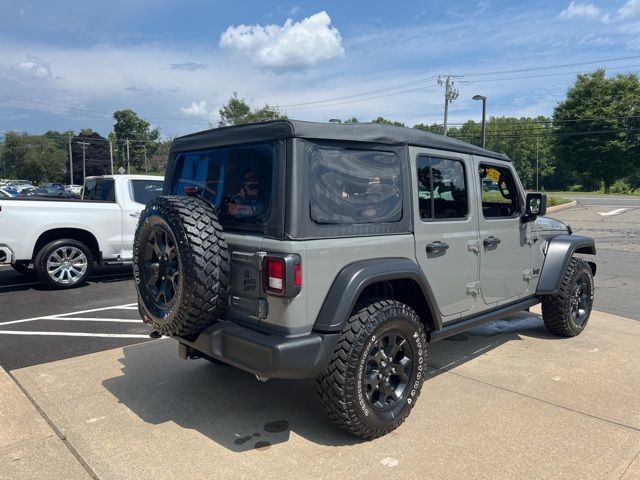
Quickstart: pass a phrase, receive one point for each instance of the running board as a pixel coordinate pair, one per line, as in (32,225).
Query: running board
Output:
(469,323)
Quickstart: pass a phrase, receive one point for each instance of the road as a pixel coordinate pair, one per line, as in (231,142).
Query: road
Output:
(39,325)
(617,236)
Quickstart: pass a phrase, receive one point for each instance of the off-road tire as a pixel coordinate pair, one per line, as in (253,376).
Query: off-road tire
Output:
(23,268)
(341,386)
(556,309)
(45,253)
(202,264)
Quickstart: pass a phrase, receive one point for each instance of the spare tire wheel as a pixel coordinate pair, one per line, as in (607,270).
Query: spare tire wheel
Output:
(180,264)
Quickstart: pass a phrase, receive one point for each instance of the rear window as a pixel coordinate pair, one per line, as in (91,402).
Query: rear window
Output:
(146,190)
(237,180)
(350,186)
(99,189)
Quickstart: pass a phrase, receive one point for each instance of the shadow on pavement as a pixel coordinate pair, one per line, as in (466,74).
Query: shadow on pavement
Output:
(12,281)
(235,410)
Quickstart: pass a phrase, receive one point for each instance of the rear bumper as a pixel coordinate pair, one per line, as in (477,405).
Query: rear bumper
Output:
(265,355)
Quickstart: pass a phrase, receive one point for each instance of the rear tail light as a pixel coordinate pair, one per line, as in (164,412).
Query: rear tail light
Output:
(282,275)
(275,275)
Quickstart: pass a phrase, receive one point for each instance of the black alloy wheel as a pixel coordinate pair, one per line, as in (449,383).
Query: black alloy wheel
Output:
(161,267)
(388,371)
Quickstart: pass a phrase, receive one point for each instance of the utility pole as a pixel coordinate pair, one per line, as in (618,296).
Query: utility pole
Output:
(146,169)
(450,94)
(71,158)
(128,159)
(84,146)
(111,155)
(537,165)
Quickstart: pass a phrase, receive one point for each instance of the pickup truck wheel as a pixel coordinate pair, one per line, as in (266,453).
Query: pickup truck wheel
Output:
(63,263)
(375,375)
(566,313)
(180,265)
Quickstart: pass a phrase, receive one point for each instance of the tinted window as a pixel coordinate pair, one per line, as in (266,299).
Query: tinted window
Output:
(100,189)
(499,192)
(351,186)
(237,180)
(146,190)
(442,189)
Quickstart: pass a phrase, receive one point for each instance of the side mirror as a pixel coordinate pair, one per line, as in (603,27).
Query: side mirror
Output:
(536,204)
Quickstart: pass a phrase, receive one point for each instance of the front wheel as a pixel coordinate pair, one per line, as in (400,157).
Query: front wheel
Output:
(567,312)
(63,264)
(375,375)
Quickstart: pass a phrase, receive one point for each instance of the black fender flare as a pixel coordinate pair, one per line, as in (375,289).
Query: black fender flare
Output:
(355,277)
(560,249)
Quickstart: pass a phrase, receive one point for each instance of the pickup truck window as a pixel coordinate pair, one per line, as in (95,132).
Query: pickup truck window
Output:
(100,189)
(145,190)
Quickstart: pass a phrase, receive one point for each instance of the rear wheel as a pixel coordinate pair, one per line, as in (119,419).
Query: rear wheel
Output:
(63,264)
(376,372)
(180,265)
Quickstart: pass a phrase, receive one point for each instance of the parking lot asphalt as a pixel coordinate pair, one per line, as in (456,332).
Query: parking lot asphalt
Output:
(614,223)
(38,325)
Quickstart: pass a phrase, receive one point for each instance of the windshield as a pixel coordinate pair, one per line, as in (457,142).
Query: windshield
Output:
(237,180)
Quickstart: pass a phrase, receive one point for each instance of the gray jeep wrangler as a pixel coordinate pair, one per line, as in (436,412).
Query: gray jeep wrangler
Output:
(294,249)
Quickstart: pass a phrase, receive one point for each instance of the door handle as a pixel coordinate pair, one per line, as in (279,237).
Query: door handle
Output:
(437,247)
(491,242)
(135,214)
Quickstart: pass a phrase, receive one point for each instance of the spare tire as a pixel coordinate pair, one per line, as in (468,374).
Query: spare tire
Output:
(180,265)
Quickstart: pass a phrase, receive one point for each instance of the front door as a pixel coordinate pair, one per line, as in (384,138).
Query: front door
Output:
(505,256)
(446,229)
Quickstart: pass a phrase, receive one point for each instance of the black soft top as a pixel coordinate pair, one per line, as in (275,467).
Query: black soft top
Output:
(353,132)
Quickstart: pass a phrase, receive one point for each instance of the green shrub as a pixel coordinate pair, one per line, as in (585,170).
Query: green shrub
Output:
(576,188)
(620,186)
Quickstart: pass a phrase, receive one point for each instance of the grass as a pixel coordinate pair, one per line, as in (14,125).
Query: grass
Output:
(597,193)
(553,200)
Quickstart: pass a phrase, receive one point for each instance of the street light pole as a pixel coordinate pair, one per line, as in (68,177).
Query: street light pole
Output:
(71,159)
(484,118)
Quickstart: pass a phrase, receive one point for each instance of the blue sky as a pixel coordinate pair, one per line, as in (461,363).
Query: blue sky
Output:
(70,64)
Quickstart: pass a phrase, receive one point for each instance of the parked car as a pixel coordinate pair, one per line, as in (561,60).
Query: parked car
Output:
(74,189)
(61,239)
(300,250)
(8,191)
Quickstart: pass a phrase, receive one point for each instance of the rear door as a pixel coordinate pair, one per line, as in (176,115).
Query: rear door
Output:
(446,228)
(506,251)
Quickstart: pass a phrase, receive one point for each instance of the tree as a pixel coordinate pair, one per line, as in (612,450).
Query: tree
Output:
(237,111)
(96,154)
(33,157)
(598,128)
(385,121)
(137,132)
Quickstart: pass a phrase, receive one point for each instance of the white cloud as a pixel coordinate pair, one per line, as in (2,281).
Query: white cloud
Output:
(629,9)
(35,67)
(294,46)
(196,109)
(581,10)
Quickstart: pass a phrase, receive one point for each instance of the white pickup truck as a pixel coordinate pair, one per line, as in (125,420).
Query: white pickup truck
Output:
(61,239)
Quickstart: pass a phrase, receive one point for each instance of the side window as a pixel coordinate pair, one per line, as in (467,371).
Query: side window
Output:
(146,190)
(442,189)
(499,192)
(350,186)
(100,189)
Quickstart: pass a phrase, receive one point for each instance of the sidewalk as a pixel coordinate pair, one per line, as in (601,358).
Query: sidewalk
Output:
(503,401)
(29,448)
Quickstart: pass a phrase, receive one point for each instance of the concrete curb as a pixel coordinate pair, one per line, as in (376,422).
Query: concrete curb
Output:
(564,206)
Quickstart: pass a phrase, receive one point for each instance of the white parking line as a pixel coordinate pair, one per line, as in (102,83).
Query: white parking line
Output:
(74,334)
(66,316)
(93,319)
